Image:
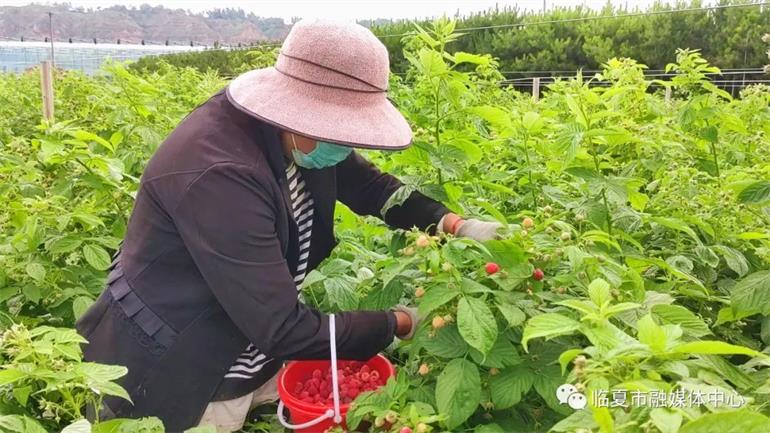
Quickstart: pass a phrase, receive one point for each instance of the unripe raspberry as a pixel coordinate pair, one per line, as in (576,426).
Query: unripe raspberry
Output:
(438,322)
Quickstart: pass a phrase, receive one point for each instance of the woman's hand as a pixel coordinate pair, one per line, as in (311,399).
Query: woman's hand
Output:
(406,321)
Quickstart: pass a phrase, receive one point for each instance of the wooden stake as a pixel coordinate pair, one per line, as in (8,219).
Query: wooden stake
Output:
(668,93)
(46,86)
(536,89)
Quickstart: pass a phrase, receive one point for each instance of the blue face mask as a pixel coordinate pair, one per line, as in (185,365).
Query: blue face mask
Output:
(324,155)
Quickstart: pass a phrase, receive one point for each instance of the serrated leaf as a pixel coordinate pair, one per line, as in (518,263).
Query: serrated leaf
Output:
(64,245)
(676,224)
(651,334)
(96,256)
(735,259)
(512,314)
(510,385)
(436,296)
(80,426)
(755,193)
(447,343)
(476,323)
(751,295)
(80,306)
(21,394)
(341,292)
(713,347)
(503,354)
(458,391)
(566,357)
(547,326)
(667,421)
(36,271)
(678,315)
(599,291)
(738,421)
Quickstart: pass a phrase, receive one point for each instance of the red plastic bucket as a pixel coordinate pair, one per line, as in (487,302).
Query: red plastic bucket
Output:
(301,412)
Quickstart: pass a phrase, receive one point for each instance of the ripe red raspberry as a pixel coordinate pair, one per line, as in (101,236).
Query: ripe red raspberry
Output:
(538,274)
(491,268)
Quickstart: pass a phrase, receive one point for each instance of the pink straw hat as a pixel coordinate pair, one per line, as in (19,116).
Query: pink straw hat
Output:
(330,83)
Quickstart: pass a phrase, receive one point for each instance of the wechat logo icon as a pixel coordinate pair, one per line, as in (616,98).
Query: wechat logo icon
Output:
(568,394)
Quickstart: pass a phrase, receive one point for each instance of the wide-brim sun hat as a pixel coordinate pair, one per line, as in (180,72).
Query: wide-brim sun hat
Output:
(329,83)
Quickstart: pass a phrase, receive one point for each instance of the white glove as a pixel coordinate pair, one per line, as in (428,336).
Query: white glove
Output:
(479,230)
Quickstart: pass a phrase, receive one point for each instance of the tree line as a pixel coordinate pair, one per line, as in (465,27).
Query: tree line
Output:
(565,38)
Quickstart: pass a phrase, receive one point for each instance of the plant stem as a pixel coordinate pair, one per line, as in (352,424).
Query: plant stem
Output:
(529,169)
(716,162)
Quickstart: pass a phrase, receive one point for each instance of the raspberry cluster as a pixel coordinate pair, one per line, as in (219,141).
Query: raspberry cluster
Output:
(354,378)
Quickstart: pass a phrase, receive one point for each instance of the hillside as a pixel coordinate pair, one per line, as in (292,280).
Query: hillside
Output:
(132,25)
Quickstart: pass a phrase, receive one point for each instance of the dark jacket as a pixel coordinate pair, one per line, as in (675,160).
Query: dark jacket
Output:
(204,266)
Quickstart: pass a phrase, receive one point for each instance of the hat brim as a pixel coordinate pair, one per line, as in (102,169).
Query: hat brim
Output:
(346,117)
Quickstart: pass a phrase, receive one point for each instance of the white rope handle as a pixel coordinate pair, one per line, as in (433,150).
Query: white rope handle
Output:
(330,413)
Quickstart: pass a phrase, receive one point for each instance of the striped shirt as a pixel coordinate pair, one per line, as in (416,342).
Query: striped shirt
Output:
(251,360)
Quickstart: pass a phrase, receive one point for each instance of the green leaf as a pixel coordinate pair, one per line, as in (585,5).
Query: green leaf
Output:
(10,375)
(755,193)
(469,287)
(751,295)
(488,428)
(436,296)
(80,305)
(498,117)
(651,334)
(548,325)
(739,421)
(447,343)
(735,259)
(506,253)
(458,391)
(577,420)
(566,357)
(512,314)
(476,59)
(21,394)
(507,388)
(31,292)
(667,421)
(713,347)
(88,220)
(36,271)
(603,419)
(91,137)
(79,426)
(678,315)
(341,292)
(96,256)
(20,424)
(476,323)
(676,224)
(64,245)
(503,354)
(599,291)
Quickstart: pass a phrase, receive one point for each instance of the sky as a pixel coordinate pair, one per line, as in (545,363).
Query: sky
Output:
(350,9)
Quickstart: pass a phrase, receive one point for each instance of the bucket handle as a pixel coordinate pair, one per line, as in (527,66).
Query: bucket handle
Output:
(330,413)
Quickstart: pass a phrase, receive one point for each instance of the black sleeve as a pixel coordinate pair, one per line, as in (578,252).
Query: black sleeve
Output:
(227,221)
(365,189)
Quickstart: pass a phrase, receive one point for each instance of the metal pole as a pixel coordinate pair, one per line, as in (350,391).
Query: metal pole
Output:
(50,31)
